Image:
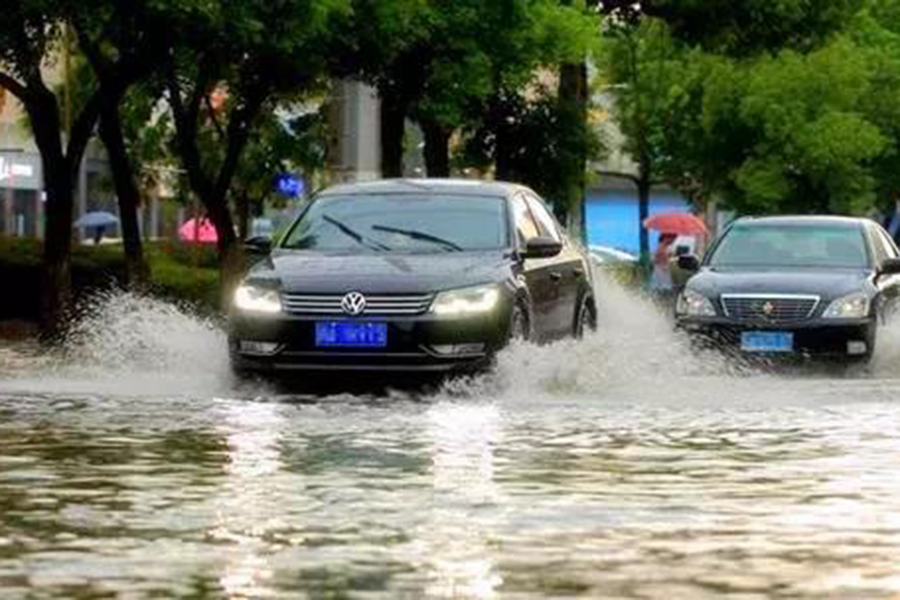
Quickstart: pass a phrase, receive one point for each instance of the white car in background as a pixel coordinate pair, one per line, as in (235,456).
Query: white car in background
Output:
(607,255)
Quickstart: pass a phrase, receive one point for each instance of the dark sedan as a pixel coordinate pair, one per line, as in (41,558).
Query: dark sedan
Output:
(793,285)
(411,275)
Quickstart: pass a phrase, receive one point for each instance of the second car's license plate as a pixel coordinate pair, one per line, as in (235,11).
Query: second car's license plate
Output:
(343,334)
(767,341)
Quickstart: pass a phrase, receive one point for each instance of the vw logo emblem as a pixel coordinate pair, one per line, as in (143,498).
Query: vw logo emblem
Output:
(353,304)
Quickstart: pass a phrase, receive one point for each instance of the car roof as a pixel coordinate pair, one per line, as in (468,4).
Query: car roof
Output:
(802,220)
(454,187)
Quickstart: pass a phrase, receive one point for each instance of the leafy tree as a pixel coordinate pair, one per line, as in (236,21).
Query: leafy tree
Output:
(245,55)
(32,37)
(745,28)
(442,63)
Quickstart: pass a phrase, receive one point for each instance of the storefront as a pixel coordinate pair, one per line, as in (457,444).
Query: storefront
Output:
(21,196)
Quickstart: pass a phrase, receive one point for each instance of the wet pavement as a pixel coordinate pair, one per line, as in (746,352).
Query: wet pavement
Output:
(133,466)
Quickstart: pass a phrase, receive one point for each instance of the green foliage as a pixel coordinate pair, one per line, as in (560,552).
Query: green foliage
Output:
(174,275)
(808,127)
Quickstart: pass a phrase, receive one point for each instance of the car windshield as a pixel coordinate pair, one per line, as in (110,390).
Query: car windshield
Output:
(401,223)
(781,245)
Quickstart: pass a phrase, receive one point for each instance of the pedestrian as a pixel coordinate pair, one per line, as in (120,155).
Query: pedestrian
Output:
(98,234)
(661,278)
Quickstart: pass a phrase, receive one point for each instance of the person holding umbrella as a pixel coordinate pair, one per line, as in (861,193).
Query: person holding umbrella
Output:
(661,277)
(670,226)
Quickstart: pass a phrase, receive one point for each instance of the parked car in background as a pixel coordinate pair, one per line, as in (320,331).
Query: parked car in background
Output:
(793,285)
(607,255)
(411,275)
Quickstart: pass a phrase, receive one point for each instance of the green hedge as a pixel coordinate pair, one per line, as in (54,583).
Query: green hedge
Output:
(174,274)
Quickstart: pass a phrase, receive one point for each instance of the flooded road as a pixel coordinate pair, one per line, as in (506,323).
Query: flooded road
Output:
(620,467)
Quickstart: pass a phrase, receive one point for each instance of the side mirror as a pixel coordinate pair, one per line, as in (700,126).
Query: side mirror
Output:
(258,245)
(542,247)
(890,266)
(689,263)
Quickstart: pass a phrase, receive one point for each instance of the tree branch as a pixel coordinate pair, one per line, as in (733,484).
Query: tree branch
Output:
(15,88)
(185,134)
(238,135)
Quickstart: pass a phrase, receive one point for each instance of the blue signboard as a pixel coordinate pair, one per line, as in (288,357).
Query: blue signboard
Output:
(290,185)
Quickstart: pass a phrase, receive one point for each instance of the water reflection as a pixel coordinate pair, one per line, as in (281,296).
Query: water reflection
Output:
(458,540)
(249,508)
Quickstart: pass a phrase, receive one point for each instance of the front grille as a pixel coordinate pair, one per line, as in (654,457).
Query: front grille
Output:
(381,305)
(764,308)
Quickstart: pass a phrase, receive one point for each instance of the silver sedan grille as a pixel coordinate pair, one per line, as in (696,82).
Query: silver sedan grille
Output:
(769,308)
(375,305)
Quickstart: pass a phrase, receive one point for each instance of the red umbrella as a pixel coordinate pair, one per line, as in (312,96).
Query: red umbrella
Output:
(203,232)
(679,223)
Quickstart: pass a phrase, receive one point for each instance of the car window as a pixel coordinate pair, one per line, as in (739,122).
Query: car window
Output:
(526,226)
(792,245)
(545,221)
(884,245)
(401,223)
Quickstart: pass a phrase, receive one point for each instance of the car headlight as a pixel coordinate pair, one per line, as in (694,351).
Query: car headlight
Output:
(694,304)
(467,301)
(852,306)
(256,299)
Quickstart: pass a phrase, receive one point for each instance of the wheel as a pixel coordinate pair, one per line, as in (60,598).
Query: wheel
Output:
(519,326)
(587,319)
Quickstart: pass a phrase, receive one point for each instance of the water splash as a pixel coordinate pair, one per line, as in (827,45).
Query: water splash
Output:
(128,344)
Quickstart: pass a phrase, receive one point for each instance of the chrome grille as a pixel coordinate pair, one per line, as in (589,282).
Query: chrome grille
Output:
(769,308)
(376,305)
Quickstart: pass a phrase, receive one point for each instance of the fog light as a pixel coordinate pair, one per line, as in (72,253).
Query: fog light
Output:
(263,348)
(857,347)
(458,349)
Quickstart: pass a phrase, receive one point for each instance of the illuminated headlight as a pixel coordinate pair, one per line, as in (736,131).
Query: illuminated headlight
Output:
(853,306)
(466,301)
(255,299)
(694,304)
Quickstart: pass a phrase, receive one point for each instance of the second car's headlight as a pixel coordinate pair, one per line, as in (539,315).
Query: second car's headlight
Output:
(467,301)
(694,304)
(256,299)
(852,306)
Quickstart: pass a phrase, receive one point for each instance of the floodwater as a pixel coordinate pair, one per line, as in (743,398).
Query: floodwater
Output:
(132,466)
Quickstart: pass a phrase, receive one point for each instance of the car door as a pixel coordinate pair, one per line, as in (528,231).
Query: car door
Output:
(566,271)
(888,285)
(538,272)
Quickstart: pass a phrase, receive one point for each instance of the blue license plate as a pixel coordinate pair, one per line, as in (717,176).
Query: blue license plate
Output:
(767,341)
(341,334)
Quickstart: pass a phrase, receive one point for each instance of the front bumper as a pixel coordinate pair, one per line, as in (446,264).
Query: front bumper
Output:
(820,337)
(423,343)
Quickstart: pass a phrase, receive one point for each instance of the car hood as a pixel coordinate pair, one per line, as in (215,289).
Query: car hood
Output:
(827,283)
(315,273)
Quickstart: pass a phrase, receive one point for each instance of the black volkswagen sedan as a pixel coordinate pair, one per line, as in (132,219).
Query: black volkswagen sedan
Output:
(793,285)
(410,275)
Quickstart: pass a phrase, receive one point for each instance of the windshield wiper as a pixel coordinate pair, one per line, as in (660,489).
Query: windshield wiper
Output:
(355,235)
(419,235)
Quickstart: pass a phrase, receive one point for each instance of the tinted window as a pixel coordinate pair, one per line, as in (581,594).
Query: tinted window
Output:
(544,220)
(782,245)
(526,226)
(403,223)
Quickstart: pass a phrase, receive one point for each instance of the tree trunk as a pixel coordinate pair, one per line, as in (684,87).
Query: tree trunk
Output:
(56,294)
(437,148)
(497,116)
(243,214)
(573,97)
(393,129)
(56,297)
(127,193)
(231,254)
